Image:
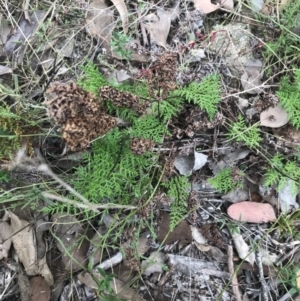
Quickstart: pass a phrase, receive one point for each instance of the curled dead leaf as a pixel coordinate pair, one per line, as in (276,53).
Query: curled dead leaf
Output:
(26,249)
(40,289)
(5,239)
(99,22)
(274,117)
(71,241)
(251,79)
(122,9)
(205,6)
(158,25)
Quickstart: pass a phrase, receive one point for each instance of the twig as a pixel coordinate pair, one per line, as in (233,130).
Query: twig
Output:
(262,280)
(25,10)
(143,30)
(87,205)
(235,284)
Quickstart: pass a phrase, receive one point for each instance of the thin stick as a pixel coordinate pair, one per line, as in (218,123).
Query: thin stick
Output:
(88,205)
(235,284)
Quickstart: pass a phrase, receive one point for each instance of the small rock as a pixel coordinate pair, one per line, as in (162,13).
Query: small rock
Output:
(252,212)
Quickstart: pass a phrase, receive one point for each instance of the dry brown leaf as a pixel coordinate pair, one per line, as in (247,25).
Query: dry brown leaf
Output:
(205,6)
(158,25)
(5,29)
(99,22)
(23,283)
(71,243)
(5,239)
(227,4)
(122,9)
(5,70)
(118,286)
(181,232)
(23,32)
(40,289)
(251,79)
(242,248)
(24,244)
(289,134)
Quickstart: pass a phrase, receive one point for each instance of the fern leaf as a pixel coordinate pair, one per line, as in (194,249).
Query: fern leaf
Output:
(206,94)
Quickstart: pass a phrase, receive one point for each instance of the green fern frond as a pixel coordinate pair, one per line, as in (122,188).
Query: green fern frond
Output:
(149,127)
(113,171)
(289,95)
(280,172)
(207,94)
(178,191)
(240,132)
(224,181)
(92,79)
(166,109)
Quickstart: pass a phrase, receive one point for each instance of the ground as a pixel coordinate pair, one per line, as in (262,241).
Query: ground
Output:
(149,150)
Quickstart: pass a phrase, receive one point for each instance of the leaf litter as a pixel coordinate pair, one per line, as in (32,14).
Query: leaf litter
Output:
(194,260)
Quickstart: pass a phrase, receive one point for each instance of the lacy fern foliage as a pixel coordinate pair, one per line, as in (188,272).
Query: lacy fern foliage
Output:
(178,191)
(113,172)
(92,79)
(240,132)
(289,95)
(148,127)
(225,180)
(280,171)
(207,94)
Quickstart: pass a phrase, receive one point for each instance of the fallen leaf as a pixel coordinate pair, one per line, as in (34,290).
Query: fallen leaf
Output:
(5,29)
(205,6)
(199,240)
(118,286)
(122,9)
(252,212)
(228,4)
(24,244)
(5,70)
(99,22)
(153,264)
(182,231)
(23,31)
(289,134)
(251,79)
(197,235)
(158,25)
(242,248)
(40,289)
(274,117)
(236,195)
(257,5)
(287,198)
(5,239)
(71,241)
(187,164)
(23,283)
(229,159)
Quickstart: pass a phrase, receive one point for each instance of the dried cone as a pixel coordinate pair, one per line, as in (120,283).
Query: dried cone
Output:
(80,116)
(139,145)
(162,77)
(123,99)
